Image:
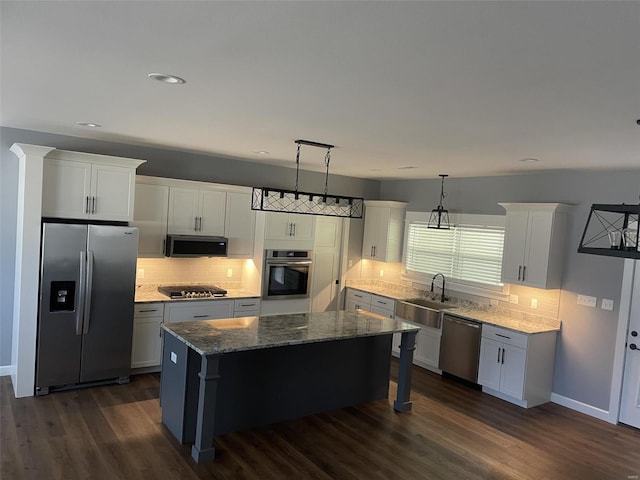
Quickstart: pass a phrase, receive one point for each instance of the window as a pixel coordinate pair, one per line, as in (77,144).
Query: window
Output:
(470,252)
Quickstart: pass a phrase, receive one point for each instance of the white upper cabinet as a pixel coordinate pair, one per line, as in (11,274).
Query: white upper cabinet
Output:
(183,207)
(196,211)
(240,225)
(383,229)
(150,216)
(534,244)
(86,186)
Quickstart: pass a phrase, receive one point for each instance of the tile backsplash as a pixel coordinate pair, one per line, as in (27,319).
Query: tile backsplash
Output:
(155,271)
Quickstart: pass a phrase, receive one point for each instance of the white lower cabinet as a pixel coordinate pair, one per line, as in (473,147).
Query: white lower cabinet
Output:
(517,367)
(146,349)
(427,352)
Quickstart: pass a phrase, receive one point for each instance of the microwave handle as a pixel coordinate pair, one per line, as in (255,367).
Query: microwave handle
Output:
(289,262)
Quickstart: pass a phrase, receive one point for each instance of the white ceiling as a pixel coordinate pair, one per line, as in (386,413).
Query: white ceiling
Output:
(463,88)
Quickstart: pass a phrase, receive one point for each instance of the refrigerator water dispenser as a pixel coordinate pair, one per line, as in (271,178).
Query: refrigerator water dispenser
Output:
(63,296)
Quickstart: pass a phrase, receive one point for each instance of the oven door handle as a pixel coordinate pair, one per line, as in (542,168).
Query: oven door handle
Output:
(289,262)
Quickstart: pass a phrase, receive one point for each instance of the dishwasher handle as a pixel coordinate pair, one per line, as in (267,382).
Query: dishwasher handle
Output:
(460,321)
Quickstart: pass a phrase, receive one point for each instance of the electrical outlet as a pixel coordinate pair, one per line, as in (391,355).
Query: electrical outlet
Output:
(513,299)
(141,273)
(229,272)
(534,303)
(607,304)
(381,273)
(587,301)
(350,263)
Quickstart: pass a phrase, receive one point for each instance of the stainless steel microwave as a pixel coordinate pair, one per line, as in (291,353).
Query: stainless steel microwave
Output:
(196,246)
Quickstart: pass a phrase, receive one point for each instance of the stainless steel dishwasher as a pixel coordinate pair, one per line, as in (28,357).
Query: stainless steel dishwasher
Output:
(460,347)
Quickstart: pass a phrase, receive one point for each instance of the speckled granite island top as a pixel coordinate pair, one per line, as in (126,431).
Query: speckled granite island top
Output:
(209,337)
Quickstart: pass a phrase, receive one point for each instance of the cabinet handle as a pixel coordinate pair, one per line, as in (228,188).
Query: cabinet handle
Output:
(195,227)
(86,204)
(503,356)
(524,271)
(160,332)
(519,271)
(164,246)
(503,336)
(201,316)
(247,304)
(371,251)
(94,203)
(498,360)
(149,310)
(294,229)
(374,250)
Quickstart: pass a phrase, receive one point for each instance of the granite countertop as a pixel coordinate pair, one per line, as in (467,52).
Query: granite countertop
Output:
(250,333)
(512,319)
(148,295)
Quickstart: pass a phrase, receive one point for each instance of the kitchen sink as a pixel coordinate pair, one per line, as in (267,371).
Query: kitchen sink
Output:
(241,322)
(422,311)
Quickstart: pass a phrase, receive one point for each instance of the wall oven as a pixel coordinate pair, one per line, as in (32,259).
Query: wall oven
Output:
(287,274)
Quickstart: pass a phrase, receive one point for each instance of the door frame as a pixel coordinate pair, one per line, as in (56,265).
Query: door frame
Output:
(624,316)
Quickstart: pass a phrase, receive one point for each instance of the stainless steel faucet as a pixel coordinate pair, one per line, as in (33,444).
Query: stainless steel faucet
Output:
(442,297)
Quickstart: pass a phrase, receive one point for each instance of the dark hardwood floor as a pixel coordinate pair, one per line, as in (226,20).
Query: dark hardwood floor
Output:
(114,432)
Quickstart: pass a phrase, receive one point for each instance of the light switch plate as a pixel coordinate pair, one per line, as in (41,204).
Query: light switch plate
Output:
(513,298)
(229,272)
(174,357)
(607,304)
(587,301)
(141,273)
(534,303)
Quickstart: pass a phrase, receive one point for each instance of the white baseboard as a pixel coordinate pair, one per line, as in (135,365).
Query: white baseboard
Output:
(6,370)
(590,410)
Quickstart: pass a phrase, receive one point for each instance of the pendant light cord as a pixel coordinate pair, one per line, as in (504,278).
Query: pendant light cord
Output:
(297,166)
(327,159)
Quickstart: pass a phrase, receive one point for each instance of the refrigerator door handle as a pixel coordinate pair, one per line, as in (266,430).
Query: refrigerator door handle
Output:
(81,292)
(88,292)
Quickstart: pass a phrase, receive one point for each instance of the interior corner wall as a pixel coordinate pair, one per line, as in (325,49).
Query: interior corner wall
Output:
(160,162)
(586,343)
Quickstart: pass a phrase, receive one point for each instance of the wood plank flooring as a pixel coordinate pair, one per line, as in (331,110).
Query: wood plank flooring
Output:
(114,432)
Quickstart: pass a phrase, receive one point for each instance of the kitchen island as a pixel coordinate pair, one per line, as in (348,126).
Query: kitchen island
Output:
(220,376)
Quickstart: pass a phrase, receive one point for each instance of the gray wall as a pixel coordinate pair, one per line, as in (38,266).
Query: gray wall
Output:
(584,356)
(161,163)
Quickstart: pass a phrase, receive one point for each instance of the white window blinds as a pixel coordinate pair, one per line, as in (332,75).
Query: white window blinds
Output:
(470,253)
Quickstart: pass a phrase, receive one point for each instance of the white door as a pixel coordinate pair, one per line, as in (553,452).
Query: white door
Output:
(630,401)
(514,245)
(240,224)
(538,247)
(371,227)
(150,216)
(326,264)
(212,212)
(490,367)
(514,362)
(66,189)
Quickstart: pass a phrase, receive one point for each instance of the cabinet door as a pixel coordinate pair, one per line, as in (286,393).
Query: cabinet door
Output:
(66,188)
(371,229)
(302,226)
(239,225)
(513,371)
(212,212)
(385,312)
(395,345)
(278,226)
(489,369)
(538,247)
(351,304)
(112,189)
(147,342)
(183,210)
(428,347)
(514,246)
(150,216)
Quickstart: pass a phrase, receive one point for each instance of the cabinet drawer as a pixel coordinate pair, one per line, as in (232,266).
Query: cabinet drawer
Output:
(193,312)
(505,336)
(385,312)
(383,302)
(247,304)
(148,310)
(359,296)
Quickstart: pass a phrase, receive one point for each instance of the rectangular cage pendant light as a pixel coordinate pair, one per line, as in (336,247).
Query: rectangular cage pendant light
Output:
(612,230)
(271,199)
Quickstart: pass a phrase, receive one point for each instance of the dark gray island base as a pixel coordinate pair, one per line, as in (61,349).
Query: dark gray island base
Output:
(220,376)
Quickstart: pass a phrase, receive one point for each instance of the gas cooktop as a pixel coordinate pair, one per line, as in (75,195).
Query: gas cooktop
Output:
(192,291)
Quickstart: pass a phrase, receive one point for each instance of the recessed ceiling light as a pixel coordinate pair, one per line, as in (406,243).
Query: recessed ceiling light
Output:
(529,160)
(408,167)
(165,78)
(261,152)
(89,124)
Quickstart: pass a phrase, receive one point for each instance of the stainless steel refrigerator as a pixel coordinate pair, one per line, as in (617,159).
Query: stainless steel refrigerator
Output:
(87,289)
